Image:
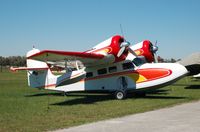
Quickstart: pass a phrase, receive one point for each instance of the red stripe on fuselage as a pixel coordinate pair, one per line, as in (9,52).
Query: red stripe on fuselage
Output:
(150,74)
(154,73)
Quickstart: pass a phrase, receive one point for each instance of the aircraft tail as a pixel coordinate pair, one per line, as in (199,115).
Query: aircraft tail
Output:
(38,73)
(40,76)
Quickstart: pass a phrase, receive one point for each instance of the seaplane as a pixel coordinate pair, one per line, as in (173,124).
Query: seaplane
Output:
(113,66)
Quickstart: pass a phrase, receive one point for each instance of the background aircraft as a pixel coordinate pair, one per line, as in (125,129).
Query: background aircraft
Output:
(192,63)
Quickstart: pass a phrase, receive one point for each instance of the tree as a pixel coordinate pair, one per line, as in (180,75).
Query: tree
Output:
(160,59)
(12,61)
(1,62)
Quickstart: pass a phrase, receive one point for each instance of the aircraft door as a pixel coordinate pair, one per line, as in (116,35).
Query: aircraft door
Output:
(122,83)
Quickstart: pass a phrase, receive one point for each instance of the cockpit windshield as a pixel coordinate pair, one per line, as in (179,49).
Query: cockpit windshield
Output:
(138,61)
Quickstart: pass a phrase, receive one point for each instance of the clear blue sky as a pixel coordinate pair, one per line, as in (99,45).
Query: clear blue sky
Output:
(78,25)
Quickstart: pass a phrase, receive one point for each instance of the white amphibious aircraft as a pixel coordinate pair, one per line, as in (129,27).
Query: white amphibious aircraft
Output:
(112,66)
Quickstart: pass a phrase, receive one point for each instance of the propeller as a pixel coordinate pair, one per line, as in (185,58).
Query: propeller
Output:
(125,45)
(154,49)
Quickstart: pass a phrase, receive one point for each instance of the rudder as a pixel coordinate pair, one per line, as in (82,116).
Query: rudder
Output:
(38,73)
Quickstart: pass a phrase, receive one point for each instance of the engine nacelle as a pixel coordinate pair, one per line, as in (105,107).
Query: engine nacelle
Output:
(144,48)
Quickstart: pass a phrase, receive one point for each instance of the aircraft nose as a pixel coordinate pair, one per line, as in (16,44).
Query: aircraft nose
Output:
(177,70)
(160,74)
(174,70)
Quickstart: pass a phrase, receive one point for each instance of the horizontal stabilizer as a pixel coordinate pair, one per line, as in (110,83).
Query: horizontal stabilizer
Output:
(27,68)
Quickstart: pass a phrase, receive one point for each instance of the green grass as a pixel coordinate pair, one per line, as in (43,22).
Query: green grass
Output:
(27,109)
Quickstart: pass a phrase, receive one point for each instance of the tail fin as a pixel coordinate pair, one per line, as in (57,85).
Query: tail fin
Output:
(38,73)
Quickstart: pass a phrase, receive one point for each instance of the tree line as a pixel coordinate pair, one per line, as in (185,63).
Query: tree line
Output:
(12,61)
(172,60)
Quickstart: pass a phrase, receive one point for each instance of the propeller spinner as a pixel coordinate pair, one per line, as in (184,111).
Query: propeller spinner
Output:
(154,49)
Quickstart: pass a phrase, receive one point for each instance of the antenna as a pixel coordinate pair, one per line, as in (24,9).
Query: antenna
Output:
(121,30)
(48,94)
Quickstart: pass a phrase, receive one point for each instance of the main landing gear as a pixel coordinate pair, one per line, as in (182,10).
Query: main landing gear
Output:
(120,94)
(122,88)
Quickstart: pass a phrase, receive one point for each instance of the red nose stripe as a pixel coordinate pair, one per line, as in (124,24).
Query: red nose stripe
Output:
(154,73)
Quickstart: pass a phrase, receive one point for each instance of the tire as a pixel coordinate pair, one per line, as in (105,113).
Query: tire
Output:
(120,94)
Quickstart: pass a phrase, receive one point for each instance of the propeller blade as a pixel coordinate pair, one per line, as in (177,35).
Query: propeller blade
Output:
(132,52)
(123,46)
(155,58)
(121,51)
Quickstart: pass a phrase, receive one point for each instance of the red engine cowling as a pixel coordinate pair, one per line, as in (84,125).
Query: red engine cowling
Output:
(146,50)
(115,45)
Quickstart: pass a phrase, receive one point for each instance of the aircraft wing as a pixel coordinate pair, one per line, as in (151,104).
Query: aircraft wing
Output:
(88,59)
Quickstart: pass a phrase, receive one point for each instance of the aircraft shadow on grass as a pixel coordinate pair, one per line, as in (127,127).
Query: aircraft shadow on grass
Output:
(43,94)
(92,99)
(158,94)
(195,80)
(193,87)
(85,99)
(158,91)
(186,86)
(88,98)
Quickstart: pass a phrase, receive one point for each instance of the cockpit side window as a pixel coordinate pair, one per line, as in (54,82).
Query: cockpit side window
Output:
(128,65)
(89,74)
(112,69)
(102,71)
(138,61)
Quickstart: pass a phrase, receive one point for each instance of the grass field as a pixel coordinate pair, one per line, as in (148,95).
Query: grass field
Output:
(26,109)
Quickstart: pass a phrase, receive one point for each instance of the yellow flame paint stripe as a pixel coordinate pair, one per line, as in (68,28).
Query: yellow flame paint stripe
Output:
(137,78)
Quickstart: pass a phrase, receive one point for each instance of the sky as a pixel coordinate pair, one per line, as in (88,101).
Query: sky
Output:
(78,25)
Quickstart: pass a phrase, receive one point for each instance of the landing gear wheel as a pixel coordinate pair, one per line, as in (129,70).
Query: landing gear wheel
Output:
(120,94)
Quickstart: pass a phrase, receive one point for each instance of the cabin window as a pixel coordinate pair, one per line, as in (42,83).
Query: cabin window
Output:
(112,69)
(35,73)
(102,71)
(128,65)
(89,74)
